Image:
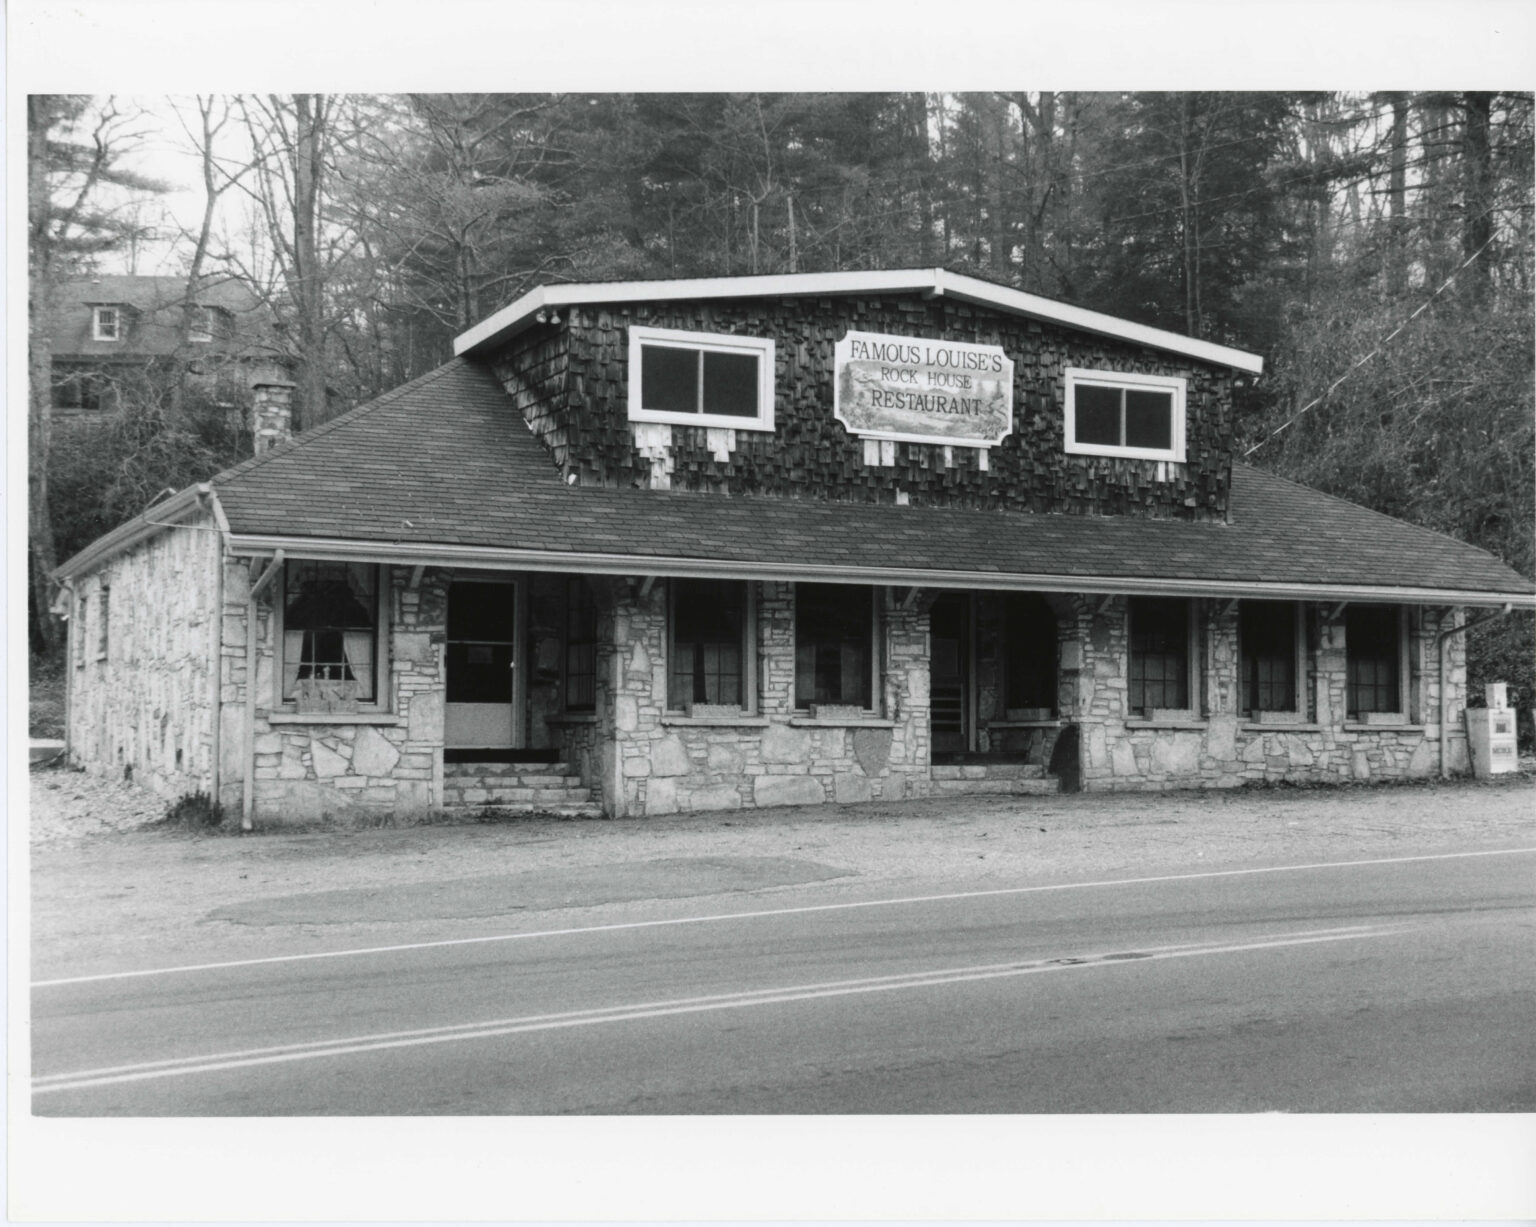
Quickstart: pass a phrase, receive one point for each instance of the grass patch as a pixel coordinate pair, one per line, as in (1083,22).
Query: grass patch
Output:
(45,695)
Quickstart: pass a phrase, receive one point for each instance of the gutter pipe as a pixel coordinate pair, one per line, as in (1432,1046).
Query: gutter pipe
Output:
(1440,641)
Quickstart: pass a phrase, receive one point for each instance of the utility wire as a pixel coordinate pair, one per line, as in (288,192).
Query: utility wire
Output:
(1380,345)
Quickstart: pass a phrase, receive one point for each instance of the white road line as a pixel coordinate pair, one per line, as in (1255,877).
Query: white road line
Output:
(783,911)
(639,1011)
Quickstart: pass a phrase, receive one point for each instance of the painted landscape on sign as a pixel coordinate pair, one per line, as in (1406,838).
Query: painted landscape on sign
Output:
(923,391)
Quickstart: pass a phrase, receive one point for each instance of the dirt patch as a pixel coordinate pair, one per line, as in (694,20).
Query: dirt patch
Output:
(108,893)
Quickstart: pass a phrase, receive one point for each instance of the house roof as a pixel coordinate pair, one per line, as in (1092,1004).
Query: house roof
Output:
(155,315)
(444,471)
(932,282)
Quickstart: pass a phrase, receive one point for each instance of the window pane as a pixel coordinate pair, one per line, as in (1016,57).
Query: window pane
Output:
(1098,414)
(709,621)
(1159,653)
(481,611)
(1268,634)
(1148,418)
(580,647)
(833,625)
(1371,642)
(329,629)
(730,384)
(1029,645)
(669,379)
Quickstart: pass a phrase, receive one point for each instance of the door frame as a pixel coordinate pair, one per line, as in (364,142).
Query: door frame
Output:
(519,700)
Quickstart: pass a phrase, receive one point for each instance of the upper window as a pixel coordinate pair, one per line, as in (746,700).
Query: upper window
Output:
(709,651)
(200,324)
(1375,647)
(834,645)
(104,622)
(1161,655)
(1270,636)
(1111,414)
(106,324)
(330,632)
(700,379)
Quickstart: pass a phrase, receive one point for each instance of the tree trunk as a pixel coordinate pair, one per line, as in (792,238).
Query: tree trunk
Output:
(309,121)
(40,544)
(1477,226)
(1397,258)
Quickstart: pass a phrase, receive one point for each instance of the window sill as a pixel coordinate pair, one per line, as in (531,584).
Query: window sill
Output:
(1193,725)
(1277,726)
(700,421)
(1023,724)
(578,717)
(1354,726)
(340,717)
(718,722)
(841,722)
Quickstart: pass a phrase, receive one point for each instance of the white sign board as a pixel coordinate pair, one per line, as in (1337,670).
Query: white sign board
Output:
(920,391)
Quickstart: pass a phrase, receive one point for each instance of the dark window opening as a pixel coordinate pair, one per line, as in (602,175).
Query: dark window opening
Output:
(1267,630)
(580,647)
(1159,643)
(834,645)
(709,620)
(679,380)
(481,621)
(1029,653)
(1373,645)
(1122,417)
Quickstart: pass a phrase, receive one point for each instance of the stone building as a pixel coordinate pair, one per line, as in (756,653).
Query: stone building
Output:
(693,545)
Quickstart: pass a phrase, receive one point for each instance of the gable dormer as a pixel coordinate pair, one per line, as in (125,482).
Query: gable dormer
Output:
(910,386)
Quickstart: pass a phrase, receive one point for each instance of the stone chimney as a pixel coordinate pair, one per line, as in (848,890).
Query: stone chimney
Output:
(272,414)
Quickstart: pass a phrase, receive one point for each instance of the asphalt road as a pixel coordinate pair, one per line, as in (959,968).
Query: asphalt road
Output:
(1395,985)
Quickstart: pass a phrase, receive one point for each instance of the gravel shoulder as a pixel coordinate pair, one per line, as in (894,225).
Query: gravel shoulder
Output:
(109,891)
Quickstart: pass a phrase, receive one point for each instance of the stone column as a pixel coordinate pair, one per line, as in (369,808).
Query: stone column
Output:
(271,414)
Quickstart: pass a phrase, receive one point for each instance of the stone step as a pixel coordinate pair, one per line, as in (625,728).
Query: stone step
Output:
(987,771)
(503,793)
(1026,786)
(568,809)
(529,768)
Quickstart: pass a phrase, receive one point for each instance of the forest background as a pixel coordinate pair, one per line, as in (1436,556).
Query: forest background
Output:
(1375,248)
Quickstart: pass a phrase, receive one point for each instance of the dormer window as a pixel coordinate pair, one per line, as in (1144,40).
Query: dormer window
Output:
(200,324)
(106,324)
(1114,414)
(700,379)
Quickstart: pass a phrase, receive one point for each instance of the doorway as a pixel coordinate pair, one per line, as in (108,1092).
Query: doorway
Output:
(950,673)
(484,687)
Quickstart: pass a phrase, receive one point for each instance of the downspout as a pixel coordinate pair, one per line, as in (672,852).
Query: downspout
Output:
(248,810)
(1440,641)
(215,662)
(68,587)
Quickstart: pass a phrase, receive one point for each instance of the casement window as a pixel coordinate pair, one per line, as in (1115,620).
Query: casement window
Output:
(710,651)
(1376,648)
(700,379)
(106,324)
(200,324)
(580,647)
(835,631)
(81,629)
(330,632)
(1162,651)
(1112,414)
(1029,653)
(1271,646)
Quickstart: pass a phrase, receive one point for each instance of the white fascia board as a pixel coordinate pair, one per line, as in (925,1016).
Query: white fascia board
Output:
(341,550)
(932,281)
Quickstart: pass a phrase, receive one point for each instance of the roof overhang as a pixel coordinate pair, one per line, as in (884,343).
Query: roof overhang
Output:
(933,282)
(428,554)
(148,523)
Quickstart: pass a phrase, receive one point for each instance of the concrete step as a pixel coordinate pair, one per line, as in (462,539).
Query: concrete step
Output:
(1024,786)
(506,792)
(452,769)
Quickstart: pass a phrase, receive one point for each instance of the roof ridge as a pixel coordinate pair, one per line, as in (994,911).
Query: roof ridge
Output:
(1381,515)
(289,446)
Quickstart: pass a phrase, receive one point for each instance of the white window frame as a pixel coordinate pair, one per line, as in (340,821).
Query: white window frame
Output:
(1405,697)
(702,342)
(877,662)
(383,688)
(1176,384)
(1194,673)
(200,324)
(100,330)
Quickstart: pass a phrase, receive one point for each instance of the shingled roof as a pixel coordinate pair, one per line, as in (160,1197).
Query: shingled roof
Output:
(444,470)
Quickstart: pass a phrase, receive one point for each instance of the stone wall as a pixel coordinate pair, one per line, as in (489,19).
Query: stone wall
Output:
(656,762)
(140,680)
(1221,747)
(309,766)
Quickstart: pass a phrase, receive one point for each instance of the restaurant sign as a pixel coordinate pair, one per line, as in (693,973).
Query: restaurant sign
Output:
(920,391)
